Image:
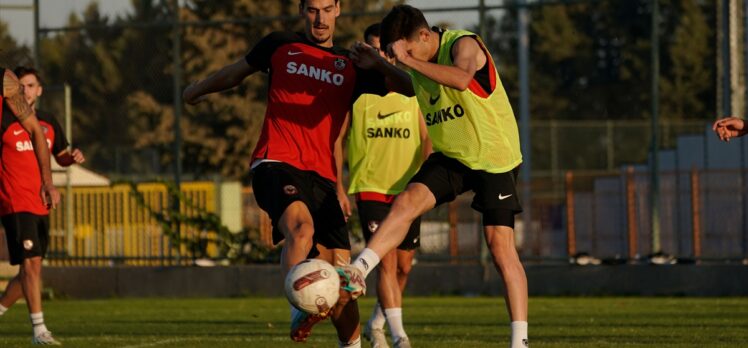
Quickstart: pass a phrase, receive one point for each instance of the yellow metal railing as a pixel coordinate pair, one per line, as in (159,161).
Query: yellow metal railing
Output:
(110,227)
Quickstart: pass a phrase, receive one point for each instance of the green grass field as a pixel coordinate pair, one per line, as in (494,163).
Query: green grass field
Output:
(431,322)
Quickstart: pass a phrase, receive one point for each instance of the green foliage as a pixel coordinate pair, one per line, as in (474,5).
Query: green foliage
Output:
(591,60)
(182,213)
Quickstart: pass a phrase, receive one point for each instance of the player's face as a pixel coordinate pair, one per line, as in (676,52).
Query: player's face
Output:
(319,17)
(31,88)
(373,41)
(418,45)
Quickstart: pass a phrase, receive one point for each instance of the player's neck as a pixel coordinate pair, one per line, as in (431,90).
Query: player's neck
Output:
(326,44)
(433,41)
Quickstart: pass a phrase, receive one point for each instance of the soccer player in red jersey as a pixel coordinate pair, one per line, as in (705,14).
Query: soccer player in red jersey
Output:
(312,87)
(26,141)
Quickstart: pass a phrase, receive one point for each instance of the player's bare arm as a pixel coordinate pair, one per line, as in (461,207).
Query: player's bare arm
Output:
(228,77)
(345,203)
(468,58)
(426,147)
(367,57)
(729,127)
(13,92)
(67,157)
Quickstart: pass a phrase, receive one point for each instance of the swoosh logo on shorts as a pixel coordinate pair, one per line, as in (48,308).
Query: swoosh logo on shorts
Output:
(502,197)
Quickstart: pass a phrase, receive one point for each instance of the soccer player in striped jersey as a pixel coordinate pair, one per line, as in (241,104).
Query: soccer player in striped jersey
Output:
(476,146)
(387,143)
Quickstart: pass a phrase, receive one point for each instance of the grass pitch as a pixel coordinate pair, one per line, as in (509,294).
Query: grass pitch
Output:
(431,322)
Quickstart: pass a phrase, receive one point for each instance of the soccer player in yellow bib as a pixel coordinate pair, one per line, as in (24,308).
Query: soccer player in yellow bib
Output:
(476,146)
(387,143)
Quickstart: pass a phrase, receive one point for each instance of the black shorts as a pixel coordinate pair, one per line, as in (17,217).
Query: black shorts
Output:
(371,215)
(27,235)
(276,185)
(495,194)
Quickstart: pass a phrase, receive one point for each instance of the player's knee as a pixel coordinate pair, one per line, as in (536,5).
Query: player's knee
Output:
(403,269)
(31,267)
(299,232)
(405,206)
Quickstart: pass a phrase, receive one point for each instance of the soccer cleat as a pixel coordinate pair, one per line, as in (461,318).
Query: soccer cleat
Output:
(302,323)
(375,336)
(45,338)
(352,281)
(11,86)
(402,342)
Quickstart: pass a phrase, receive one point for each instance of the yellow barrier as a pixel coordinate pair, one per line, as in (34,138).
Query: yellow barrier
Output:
(110,227)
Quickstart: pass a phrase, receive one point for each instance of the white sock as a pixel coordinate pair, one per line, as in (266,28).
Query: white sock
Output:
(367,261)
(355,344)
(3,309)
(519,334)
(377,317)
(395,323)
(37,321)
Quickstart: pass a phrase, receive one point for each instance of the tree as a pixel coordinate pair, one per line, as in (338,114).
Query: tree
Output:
(11,53)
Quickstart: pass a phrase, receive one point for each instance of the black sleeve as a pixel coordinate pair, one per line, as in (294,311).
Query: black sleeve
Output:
(61,142)
(259,56)
(369,82)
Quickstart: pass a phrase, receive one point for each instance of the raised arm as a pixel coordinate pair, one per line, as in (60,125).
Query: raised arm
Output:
(228,77)
(397,80)
(467,55)
(13,97)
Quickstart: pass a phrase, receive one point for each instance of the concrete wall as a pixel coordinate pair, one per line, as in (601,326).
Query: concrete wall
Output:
(426,279)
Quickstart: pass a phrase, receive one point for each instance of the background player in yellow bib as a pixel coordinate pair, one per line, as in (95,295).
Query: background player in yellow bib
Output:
(387,143)
(476,146)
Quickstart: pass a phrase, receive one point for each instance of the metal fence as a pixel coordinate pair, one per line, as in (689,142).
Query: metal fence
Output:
(110,227)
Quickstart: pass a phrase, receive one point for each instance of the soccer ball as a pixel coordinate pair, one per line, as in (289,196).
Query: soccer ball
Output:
(313,286)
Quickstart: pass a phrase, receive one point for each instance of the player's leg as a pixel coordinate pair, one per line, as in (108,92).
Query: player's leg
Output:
(438,181)
(284,193)
(13,291)
(409,205)
(345,315)
(297,227)
(281,191)
(371,213)
(397,274)
(496,198)
(34,239)
(500,240)
(404,266)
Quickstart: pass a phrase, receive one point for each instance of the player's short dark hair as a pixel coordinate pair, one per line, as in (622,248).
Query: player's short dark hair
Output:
(373,30)
(303,2)
(22,71)
(402,22)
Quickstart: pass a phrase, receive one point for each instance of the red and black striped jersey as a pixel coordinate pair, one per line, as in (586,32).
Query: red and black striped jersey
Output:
(20,179)
(311,90)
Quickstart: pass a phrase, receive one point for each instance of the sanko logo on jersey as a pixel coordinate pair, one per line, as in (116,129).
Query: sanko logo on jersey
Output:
(315,73)
(23,146)
(389,132)
(444,115)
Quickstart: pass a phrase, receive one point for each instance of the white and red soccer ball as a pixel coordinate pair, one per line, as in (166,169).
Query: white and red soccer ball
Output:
(313,286)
